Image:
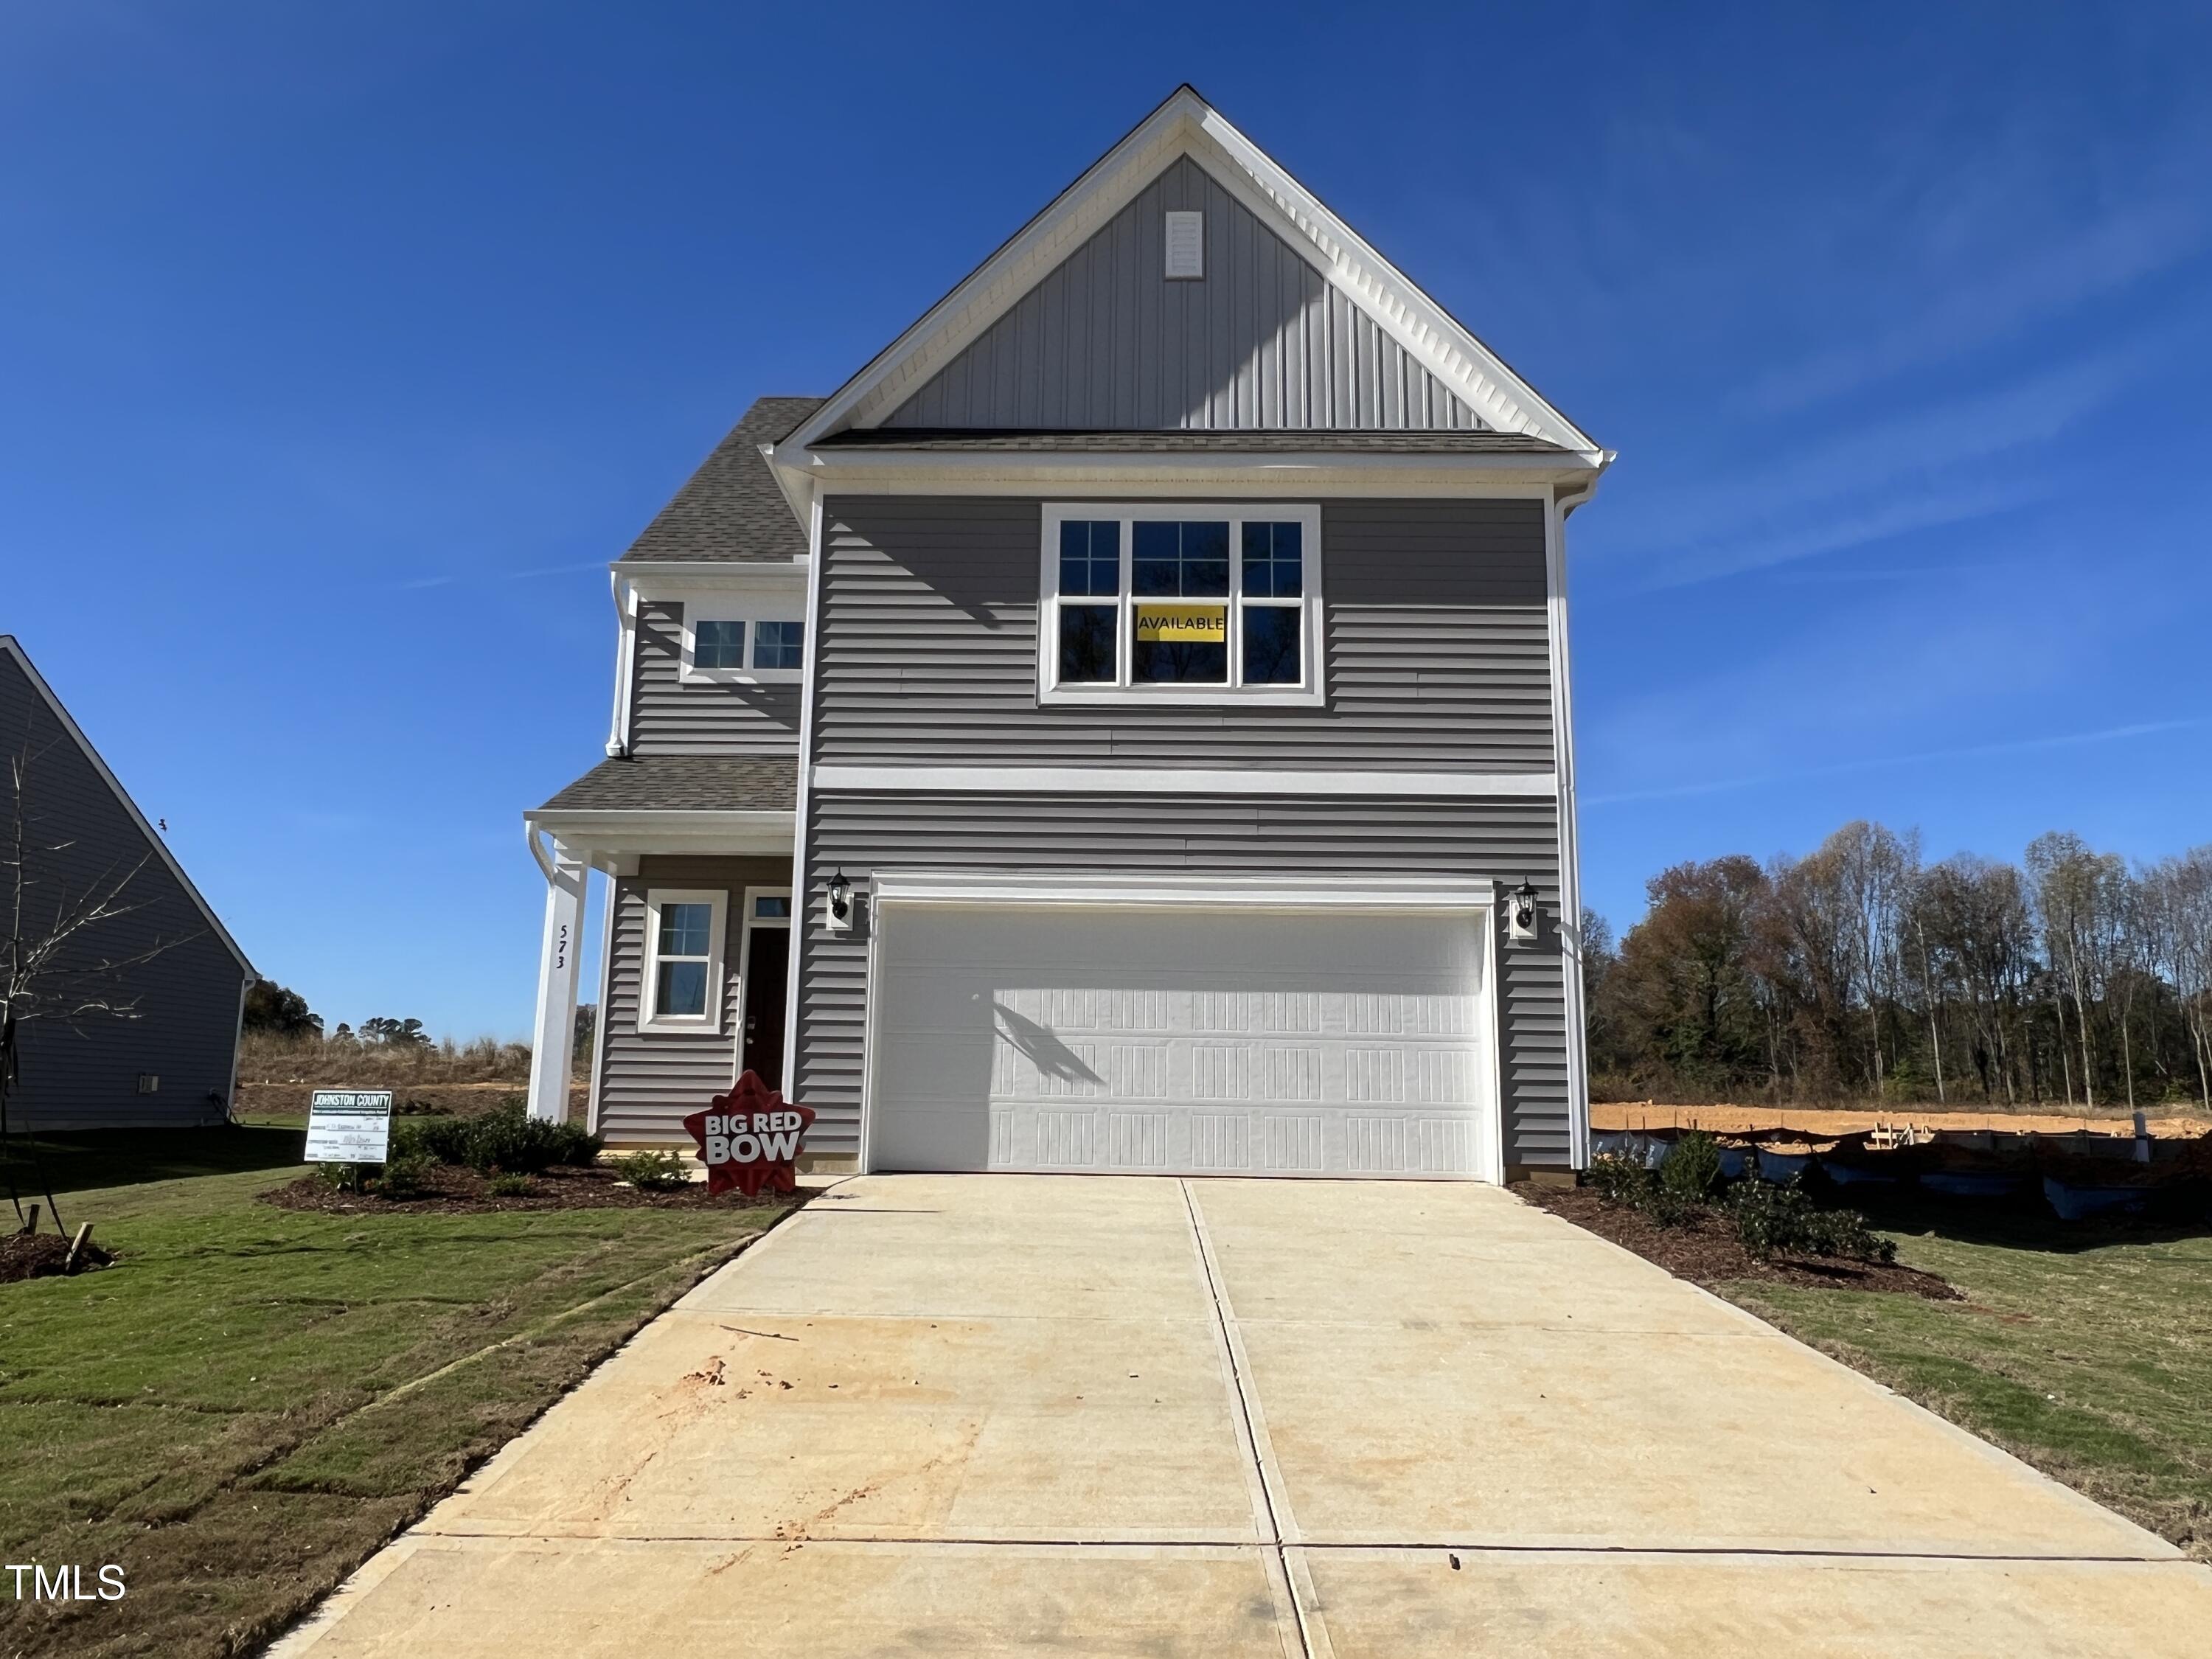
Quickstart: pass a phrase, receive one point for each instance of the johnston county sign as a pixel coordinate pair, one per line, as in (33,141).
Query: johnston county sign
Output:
(750,1139)
(348,1125)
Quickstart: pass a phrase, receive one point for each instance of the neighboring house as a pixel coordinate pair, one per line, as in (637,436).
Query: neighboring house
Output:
(1107,733)
(167,1056)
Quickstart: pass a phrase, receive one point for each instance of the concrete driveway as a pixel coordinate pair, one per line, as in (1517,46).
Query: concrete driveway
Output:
(996,1414)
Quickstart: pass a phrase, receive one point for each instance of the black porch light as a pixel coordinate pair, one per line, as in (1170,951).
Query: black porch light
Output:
(1521,918)
(841,896)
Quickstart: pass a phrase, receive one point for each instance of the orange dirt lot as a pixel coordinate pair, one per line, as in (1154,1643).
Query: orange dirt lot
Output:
(1818,1124)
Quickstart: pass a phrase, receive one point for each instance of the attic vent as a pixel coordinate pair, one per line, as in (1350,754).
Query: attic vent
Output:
(1186,242)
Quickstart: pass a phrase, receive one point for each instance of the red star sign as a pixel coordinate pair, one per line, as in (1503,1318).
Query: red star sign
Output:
(750,1139)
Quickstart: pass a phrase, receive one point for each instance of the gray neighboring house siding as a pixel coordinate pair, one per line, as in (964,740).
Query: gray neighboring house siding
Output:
(1153,835)
(188,997)
(1436,634)
(649,1080)
(1108,341)
(669,717)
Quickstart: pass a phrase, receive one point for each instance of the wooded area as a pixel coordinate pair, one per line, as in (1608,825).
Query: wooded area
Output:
(1858,972)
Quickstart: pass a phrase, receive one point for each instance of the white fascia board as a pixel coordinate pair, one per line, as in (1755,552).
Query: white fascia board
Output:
(873,472)
(1185,125)
(1227,889)
(1176,781)
(654,578)
(600,836)
(152,836)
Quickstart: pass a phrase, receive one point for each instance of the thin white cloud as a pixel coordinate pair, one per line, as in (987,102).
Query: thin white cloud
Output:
(422,582)
(1878,763)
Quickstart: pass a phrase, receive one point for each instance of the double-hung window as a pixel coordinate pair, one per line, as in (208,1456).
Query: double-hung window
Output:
(741,650)
(1181,604)
(684,960)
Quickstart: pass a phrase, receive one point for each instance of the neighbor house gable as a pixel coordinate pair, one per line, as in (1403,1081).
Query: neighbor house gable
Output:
(13,655)
(899,387)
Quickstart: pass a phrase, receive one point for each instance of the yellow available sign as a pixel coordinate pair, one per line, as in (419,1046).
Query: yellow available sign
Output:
(1208,624)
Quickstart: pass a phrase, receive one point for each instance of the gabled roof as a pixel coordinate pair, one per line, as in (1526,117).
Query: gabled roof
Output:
(732,510)
(12,651)
(1186,125)
(715,783)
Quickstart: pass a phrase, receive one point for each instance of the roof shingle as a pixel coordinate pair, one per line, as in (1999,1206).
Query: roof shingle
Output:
(731,510)
(678,783)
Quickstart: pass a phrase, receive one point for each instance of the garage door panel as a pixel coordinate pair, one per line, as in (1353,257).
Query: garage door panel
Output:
(1210,1041)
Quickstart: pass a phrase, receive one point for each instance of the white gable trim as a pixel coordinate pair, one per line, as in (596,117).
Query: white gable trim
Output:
(1186,125)
(153,840)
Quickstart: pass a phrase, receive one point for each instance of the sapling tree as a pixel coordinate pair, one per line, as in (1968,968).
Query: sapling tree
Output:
(64,962)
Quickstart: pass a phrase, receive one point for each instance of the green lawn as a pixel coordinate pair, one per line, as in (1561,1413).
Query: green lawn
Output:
(251,1400)
(2084,1351)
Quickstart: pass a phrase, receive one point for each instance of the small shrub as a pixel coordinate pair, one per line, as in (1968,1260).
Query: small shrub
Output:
(1693,1169)
(406,1174)
(654,1171)
(509,1186)
(1773,1221)
(507,1138)
(339,1177)
(1619,1180)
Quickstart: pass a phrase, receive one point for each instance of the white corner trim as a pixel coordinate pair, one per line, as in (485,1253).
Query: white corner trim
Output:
(1185,124)
(811,617)
(9,646)
(1207,892)
(1175,780)
(1574,992)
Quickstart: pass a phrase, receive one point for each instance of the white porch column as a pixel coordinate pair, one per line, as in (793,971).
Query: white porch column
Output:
(553,1037)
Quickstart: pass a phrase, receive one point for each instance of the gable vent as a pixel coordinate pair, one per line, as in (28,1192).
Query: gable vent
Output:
(1186,245)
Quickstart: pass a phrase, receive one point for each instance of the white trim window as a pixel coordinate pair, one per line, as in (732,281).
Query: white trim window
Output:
(1181,604)
(723,648)
(683,936)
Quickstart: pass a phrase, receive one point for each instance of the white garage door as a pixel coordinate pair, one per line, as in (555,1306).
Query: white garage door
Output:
(1179,1039)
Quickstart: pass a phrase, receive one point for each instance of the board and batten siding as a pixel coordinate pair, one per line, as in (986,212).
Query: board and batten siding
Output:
(1501,840)
(1434,629)
(669,717)
(182,1027)
(650,1081)
(1262,341)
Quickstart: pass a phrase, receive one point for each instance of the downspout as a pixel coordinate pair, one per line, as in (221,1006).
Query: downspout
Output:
(625,593)
(538,852)
(1564,500)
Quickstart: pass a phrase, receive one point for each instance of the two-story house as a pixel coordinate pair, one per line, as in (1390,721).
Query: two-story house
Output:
(1124,727)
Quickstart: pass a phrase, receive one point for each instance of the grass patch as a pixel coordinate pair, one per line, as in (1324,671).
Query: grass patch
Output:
(252,1399)
(2087,1354)
(78,1160)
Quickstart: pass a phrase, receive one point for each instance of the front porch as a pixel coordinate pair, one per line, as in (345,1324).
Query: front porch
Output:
(693,915)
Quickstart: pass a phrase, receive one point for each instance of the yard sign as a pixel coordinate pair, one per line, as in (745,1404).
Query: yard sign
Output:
(350,1126)
(750,1139)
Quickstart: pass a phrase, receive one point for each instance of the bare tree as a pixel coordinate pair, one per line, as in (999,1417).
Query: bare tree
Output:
(61,962)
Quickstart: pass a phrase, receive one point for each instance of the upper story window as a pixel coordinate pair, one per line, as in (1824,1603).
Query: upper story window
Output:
(1182,603)
(722,648)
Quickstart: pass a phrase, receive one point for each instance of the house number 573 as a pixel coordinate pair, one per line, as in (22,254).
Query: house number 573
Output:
(561,947)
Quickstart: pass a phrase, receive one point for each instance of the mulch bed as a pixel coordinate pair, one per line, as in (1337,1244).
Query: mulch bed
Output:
(40,1255)
(1704,1250)
(451,1190)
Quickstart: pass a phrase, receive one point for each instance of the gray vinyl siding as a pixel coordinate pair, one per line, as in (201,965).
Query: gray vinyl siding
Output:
(1262,341)
(649,1081)
(1435,641)
(183,1001)
(668,717)
(1498,839)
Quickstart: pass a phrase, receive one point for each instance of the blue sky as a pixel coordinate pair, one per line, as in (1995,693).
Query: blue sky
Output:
(343,344)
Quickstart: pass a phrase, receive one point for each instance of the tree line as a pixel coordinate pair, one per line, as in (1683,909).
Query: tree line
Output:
(1859,971)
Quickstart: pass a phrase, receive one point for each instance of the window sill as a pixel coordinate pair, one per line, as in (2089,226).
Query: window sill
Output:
(1186,697)
(680,1027)
(741,676)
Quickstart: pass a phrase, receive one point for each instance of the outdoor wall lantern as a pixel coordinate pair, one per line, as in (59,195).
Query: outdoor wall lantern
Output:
(1521,914)
(841,902)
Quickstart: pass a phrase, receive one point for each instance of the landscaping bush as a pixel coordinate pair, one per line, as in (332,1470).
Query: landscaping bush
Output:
(507,1139)
(406,1174)
(1773,1221)
(509,1186)
(1619,1180)
(654,1171)
(1693,1169)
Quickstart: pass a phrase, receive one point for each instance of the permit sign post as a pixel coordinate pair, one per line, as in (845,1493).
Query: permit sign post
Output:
(750,1139)
(350,1126)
